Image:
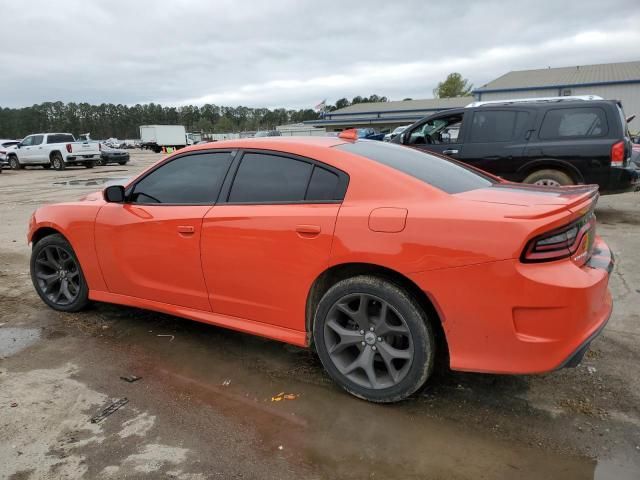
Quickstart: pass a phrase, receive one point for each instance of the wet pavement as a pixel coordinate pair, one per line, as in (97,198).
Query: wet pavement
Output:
(203,407)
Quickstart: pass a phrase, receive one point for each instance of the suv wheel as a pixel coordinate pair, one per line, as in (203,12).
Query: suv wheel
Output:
(57,276)
(549,178)
(57,162)
(14,163)
(373,339)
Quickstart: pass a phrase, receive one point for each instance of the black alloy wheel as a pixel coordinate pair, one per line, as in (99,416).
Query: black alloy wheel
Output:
(374,339)
(57,276)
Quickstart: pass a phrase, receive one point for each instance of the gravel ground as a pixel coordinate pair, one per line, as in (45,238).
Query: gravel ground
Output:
(203,408)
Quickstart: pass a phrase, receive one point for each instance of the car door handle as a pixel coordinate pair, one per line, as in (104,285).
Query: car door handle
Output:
(308,231)
(450,152)
(186,229)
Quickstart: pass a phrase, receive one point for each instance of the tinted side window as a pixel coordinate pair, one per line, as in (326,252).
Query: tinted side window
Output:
(60,138)
(496,126)
(323,185)
(190,180)
(270,178)
(37,139)
(574,122)
(443,174)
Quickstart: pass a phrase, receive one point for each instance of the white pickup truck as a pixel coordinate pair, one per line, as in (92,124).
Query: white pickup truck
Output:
(57,150)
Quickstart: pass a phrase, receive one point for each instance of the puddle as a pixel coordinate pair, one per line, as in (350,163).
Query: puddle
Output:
(323,429)
(14,340)
(101,181)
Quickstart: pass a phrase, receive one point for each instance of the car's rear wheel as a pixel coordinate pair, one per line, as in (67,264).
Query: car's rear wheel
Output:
(549,178)
(374,339)
(57,276)
(57,162)
(14,163)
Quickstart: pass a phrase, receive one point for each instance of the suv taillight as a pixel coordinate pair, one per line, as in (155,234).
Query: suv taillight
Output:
(69,147)
(617,154)
(577,237)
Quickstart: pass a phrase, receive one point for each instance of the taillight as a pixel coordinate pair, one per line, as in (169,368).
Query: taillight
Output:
(69,147)
(100,146)
(575,238)
(617,154)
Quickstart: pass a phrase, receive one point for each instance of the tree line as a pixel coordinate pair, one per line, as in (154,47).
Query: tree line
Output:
(122,121)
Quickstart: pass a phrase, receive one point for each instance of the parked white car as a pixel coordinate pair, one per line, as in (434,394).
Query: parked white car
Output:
(398,130)
(5,147)
(57,150)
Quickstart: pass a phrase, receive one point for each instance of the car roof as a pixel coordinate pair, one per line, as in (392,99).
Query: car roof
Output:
(268,143)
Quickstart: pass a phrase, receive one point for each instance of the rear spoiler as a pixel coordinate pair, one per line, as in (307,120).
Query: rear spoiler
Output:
(582,198)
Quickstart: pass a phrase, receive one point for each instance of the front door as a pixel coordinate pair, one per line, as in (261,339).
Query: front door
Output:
(265,245)
(439,135)
(149,246)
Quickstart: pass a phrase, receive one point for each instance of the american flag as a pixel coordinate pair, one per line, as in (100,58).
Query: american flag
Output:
(321,106)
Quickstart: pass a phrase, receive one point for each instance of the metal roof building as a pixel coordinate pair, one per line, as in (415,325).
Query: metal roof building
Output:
(386,115)
(615,81)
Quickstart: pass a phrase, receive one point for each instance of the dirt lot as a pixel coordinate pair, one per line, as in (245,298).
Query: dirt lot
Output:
(203,407)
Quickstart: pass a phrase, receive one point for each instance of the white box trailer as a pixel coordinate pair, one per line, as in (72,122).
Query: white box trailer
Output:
(154,137)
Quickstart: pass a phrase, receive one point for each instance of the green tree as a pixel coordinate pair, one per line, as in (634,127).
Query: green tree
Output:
(453,86)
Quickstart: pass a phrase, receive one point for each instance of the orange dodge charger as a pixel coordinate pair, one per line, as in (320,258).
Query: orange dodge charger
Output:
(376,255)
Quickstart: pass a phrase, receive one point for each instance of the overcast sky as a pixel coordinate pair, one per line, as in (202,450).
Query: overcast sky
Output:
(275,53)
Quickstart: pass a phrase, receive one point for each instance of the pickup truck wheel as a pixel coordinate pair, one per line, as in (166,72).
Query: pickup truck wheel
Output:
(14,163)
(549,178)
(57,162)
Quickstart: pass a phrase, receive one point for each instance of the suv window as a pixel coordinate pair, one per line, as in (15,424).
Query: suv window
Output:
(488,126)
(37,139)
(189,180)
(60,138)
(437,131)
(574,122)
(265,178)
(443,174)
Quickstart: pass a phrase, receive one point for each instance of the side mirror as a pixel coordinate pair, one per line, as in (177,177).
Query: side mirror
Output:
(114,194)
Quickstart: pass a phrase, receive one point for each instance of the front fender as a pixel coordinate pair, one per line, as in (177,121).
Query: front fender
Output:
(76,222)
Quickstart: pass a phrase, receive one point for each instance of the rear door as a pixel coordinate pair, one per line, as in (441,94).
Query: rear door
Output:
(149,246)
(269,238)
(495,139)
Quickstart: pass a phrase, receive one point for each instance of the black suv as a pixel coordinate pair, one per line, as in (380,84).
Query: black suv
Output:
(553,141)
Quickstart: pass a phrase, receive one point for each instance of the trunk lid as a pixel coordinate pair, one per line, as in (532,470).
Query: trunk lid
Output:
(536,201)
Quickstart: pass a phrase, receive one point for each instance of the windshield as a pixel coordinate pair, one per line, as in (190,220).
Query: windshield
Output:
(443,174)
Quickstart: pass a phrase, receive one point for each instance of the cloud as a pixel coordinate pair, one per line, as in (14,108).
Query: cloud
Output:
(291,53)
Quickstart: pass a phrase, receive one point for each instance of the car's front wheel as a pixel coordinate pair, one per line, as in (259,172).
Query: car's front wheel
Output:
(374,339)
(14,163)
(57,276)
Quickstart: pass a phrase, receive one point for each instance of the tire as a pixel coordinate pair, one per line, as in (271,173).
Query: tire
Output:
(14,163)
(57,162)
(374,346)
(57,276)
(89,164)
(124,162)
(102,162)
(550,178)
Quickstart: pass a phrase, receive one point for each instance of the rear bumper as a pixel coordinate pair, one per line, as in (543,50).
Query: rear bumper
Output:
(510,317)
(81,157)
(622,180)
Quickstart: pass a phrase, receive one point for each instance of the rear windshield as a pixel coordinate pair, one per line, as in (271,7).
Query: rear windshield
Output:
(443,174)
(60,138)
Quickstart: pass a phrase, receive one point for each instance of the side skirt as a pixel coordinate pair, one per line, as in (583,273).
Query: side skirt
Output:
(252,327)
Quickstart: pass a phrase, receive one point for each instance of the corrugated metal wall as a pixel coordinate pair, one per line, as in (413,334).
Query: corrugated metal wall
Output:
(628,94)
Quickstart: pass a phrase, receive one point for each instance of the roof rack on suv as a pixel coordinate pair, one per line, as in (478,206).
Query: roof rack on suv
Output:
(539,99)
